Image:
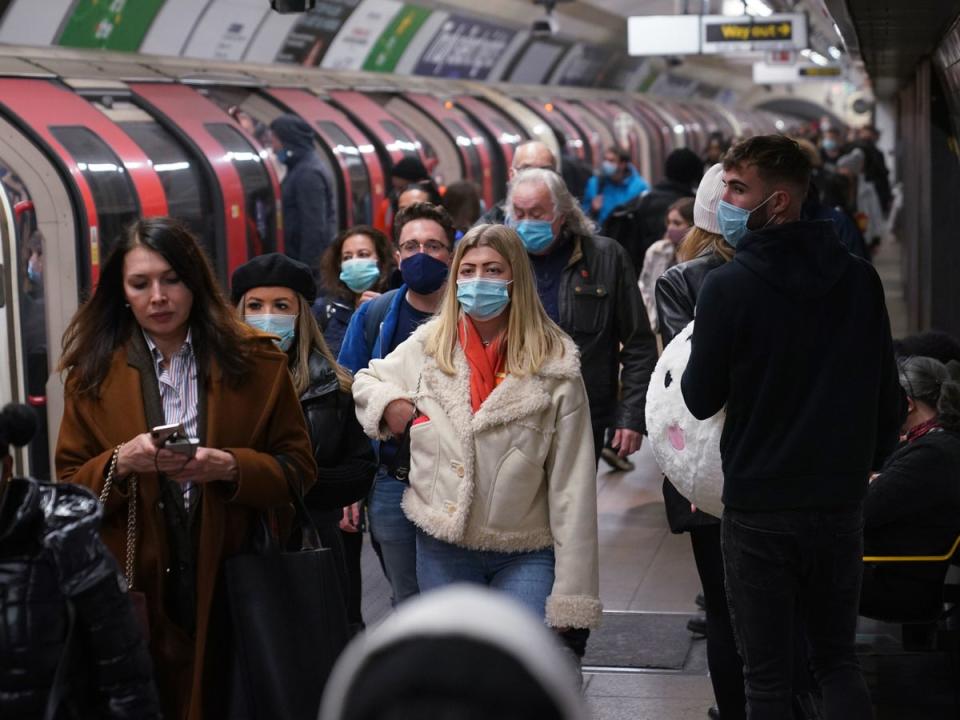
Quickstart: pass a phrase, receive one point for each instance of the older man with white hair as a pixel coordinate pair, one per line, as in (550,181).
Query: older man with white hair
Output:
(588,286)
(527,156)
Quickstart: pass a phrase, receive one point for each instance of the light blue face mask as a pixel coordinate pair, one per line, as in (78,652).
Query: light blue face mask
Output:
(733,220)
(537,235)
(283,326)
(483,299)
(609,168)
(359,274)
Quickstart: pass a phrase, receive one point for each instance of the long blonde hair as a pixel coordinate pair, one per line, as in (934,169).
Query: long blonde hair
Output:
(532,337)
(308,338)
(697,241)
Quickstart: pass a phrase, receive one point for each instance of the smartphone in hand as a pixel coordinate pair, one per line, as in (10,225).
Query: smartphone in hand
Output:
(162,433)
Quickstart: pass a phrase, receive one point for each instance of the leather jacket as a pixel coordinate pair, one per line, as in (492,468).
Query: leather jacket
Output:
(676,296)
(64,605)
(344,456)
(601,309)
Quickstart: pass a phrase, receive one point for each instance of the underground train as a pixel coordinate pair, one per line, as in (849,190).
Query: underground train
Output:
(91,140)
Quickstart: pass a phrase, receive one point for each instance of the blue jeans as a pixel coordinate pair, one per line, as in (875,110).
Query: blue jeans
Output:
(781,566)
(525,576)
(396,535)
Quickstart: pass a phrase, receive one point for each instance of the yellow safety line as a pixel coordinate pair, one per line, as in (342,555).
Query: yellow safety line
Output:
(914,558)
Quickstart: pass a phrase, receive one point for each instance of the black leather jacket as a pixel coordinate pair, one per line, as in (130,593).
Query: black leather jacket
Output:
(676,295)
(601,309)
(344,456)
(62,600)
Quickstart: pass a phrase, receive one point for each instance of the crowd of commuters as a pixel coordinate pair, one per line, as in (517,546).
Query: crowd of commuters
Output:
(449,378)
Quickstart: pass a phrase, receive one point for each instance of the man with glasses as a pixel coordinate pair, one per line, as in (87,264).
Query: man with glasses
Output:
(424,236)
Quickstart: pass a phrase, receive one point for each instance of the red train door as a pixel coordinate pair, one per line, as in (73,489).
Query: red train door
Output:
(110,173)
(249,189)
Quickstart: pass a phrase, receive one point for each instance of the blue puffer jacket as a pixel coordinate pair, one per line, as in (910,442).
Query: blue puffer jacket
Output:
(614,194)
(371,329)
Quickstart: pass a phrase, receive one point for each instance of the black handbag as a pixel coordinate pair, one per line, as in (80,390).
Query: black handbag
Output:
(289,621)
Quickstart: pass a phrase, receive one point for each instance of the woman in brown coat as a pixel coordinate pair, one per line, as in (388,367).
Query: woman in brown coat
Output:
(156,345)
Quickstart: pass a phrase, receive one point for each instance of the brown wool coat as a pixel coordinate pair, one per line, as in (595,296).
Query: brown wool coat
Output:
(254,422)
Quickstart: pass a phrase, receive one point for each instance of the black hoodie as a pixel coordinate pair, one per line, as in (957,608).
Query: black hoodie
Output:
(793,337)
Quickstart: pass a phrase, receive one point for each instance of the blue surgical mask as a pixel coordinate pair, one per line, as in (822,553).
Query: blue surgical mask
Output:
(537,235)
(283,155)
(829,144)
(359,274)
(482,298)
(33,274)
(423,274)
(609,168)
(283,326)
(733,220)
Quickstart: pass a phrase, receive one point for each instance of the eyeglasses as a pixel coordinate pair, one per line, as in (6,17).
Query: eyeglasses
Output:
(430,247)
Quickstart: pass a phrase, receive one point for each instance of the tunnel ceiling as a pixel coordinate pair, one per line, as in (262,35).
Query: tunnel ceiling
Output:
(892,36)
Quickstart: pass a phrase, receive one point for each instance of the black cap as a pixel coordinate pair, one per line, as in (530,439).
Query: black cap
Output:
(409,169)
(273,270)
(684,166)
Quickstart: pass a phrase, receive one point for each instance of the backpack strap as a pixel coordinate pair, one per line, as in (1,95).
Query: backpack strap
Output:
(376,312)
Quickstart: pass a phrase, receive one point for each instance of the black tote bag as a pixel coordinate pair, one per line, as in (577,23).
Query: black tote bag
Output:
(289,622)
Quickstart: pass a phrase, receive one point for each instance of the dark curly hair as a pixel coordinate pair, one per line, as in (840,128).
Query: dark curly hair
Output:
(330,262)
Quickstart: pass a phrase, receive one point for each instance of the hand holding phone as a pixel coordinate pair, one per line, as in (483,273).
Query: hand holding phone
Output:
(162,433)
(183,446)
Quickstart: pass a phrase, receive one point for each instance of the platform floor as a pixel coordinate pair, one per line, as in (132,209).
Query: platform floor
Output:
(645,568)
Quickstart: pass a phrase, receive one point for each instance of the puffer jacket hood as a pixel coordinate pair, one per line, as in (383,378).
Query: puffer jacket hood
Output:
(430,647)
(293,132)
(803,259)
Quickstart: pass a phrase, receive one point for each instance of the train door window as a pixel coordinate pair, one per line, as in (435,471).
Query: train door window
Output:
(112,189)
(356,169)
(188,193)
(474,166)
(257,189)
(402,141)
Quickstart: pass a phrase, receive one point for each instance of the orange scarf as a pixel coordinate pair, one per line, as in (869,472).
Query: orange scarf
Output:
(486,363)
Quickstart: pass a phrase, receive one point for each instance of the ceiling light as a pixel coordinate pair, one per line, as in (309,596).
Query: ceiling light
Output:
(835,52)
(758,7)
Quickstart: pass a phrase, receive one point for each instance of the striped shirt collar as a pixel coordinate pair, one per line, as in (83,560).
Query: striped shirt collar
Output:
(186,348)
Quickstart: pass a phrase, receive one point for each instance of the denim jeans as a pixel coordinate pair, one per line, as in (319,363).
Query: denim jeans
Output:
(396,535)
(785,565)
(525,576)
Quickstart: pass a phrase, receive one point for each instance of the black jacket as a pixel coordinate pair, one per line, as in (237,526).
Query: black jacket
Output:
(309,202)
(641,222)
(333,316)
(676,293)
(793,337)
(344,456)
(53,567)
(601,309)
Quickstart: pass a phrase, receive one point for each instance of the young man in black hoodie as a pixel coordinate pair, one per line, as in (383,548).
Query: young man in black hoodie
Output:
(793,337)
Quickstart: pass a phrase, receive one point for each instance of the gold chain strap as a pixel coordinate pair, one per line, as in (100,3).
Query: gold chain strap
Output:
(131,514)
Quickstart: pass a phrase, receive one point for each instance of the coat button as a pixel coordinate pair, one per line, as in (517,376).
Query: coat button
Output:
(450,507)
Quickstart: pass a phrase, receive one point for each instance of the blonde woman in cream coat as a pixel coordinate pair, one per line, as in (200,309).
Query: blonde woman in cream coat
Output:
(502,469)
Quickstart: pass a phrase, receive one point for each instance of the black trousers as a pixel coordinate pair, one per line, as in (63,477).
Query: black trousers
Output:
(726,667)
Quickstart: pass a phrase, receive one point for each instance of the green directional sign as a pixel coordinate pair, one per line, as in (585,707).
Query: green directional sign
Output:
(109,24)
(390,46)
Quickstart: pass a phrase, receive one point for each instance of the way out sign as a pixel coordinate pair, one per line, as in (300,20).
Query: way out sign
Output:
(725,34)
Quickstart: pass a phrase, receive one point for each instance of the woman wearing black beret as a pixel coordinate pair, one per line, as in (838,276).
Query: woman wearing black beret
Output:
(274,293)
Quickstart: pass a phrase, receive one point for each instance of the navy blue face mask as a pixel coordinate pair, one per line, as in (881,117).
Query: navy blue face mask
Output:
(423,274)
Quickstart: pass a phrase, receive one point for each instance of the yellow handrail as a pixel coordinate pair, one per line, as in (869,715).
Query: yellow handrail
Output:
(914,558)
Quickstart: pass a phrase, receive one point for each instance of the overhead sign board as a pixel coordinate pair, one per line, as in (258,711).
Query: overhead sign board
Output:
(767,74)
(724,34)
(663,35)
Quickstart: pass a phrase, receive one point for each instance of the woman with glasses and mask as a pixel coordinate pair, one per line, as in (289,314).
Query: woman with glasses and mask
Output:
(502,466)
(913,504)
(273,293)
(155,345)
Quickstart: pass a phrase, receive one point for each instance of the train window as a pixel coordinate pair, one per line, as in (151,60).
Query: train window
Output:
(356,169)
(112,190)
(402,141)
(465,143)
(188,194)
(257,189)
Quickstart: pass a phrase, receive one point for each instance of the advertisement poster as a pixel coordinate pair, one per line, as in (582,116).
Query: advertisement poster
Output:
(585,66)
(535,62)
(314,31)
(393,42)
(226,29)
(171,27)
(28,22)
(464,48)
(359,33)
(109,24)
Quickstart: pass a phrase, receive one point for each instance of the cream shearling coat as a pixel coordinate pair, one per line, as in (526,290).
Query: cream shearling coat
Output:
(518,475)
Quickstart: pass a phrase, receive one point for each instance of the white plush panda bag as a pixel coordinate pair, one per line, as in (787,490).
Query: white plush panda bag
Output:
(687,449)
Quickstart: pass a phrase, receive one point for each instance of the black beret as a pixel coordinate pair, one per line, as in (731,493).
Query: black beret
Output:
(273,270)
